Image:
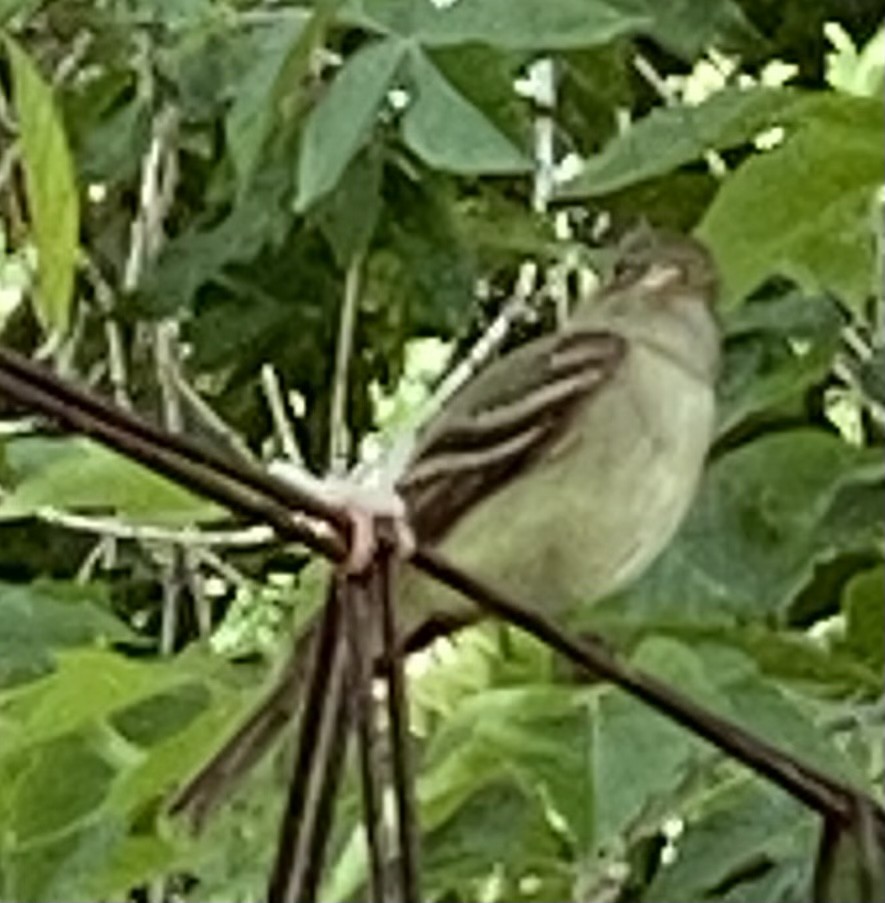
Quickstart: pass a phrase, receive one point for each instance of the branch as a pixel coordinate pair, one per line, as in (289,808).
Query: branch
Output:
(244,538)
(276,404)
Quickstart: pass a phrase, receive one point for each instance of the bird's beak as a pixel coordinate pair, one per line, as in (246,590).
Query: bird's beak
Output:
(660,276)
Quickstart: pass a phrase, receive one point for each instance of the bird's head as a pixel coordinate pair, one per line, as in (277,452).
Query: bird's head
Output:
(662,264)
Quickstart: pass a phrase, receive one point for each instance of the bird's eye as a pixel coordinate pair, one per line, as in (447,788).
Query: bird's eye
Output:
(628,270)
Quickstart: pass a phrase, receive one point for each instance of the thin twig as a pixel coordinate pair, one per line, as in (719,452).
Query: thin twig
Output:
(244,538)
(224,569)
(210,417)
(71,61)
(513,310)
(543,81)
(8,159)
(172,581)
(339,435)
(96,554)
(201,466)
(276,404)
(7,121)
(843,371)
(104,298)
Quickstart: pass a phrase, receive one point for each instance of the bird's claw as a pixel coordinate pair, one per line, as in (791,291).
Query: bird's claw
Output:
(368,523)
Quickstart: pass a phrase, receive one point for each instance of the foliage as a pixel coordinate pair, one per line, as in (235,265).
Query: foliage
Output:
(381,143)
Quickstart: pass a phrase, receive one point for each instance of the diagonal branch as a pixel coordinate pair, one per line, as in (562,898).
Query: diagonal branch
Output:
(258,495)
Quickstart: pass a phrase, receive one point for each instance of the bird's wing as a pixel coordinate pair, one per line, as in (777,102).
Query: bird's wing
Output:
(501,422)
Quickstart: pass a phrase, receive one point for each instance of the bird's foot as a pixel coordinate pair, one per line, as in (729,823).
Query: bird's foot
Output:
(375,517)
(373,512)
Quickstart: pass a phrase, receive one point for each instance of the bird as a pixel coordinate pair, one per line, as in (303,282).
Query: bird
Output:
(558,473)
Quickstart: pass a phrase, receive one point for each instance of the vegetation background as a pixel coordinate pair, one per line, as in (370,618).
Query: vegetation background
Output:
(191,193)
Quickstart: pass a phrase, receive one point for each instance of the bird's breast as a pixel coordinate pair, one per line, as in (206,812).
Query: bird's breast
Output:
(602,502)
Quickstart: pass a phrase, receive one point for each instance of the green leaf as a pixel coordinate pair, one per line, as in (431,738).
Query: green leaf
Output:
(638,755)
(765,514)
(673,136)
(744,828)
(88,686)
(40,617)
(51,812)
(817,190)
(80,475)
(776,349)
(533,25)
(687,28)
(500,829)
(255,108)
(66,776)
(425,271)
(259,220)
(642,761)
(51,188)
(150,721)
(865,614)
(786,719)
(133,862)
(507,730)
(443,128)
(111,149)
(9,8)
(497,768)
(349,215)
(340,123)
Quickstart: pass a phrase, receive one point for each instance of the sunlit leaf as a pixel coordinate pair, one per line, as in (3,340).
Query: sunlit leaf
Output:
(51,186)
(818,190)
(79,475)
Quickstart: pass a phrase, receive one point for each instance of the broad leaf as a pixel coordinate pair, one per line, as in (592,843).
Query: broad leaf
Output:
(817,190)
(687,28)
(765,514)
(862,603)
(40,617)
(533,25)
(339,125)
(743,829)
(255,109)
(673,136)
(776,349)
(443,128)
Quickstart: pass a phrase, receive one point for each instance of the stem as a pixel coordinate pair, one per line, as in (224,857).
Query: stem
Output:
(339,435)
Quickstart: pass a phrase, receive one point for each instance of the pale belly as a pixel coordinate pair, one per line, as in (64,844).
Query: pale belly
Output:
(591,522)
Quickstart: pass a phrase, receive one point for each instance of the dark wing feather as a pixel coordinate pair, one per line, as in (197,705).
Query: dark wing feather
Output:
(501,422)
